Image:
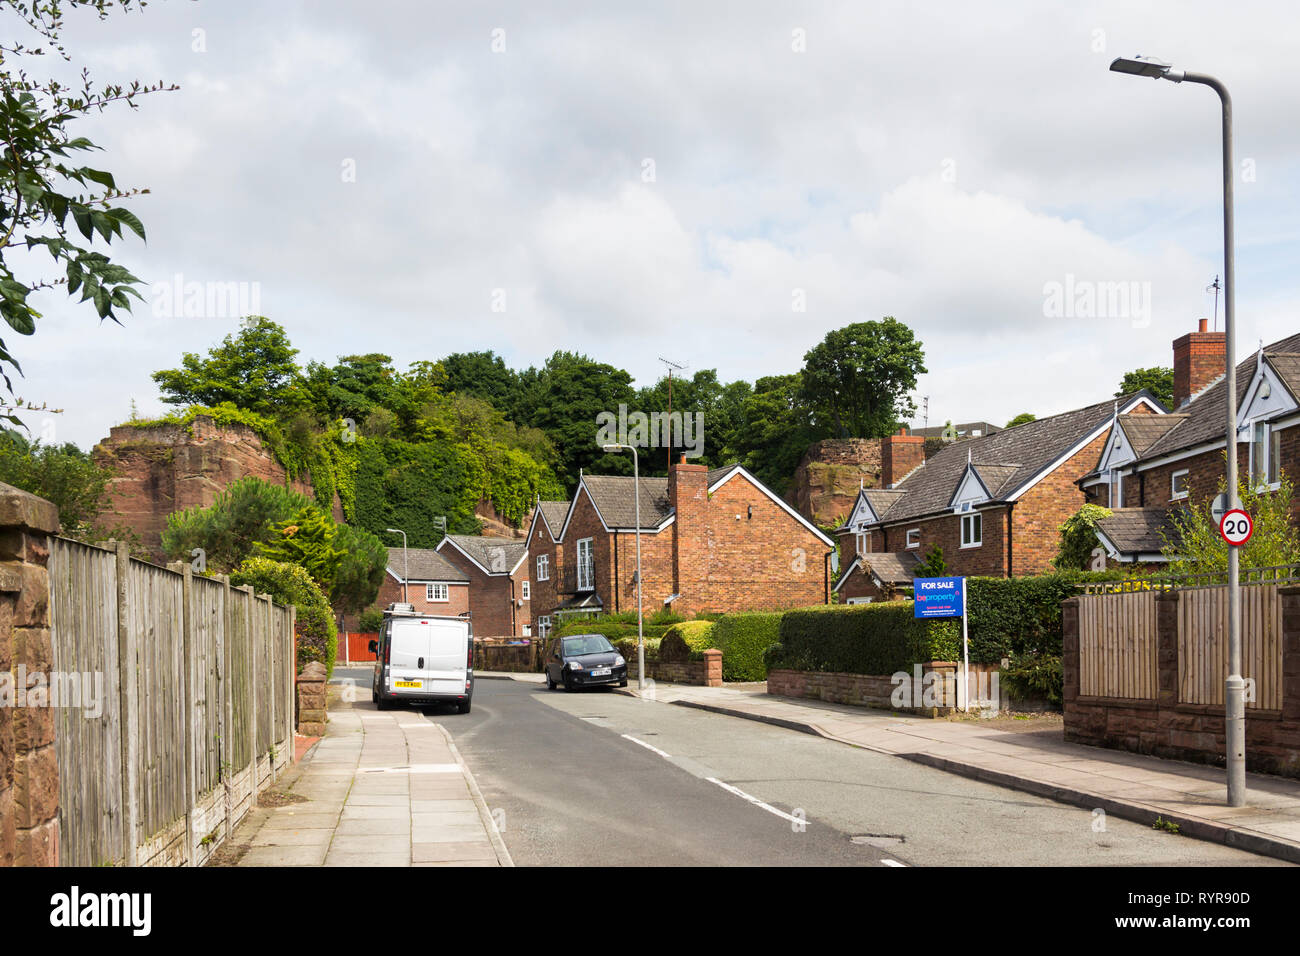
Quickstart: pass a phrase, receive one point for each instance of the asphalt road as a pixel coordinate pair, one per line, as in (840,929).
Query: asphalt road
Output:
(574,781)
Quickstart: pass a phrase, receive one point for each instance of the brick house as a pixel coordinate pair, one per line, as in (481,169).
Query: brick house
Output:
(715,540)
(1151,467)
(994,504)
(434,585)
(499,586)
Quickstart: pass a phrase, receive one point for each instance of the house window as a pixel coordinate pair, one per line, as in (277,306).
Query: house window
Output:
(543,626)
(913,537)
(1116,490)
(436,593)
(528,630)
(859,600)
(1265,454)
(1178,485)
(972,530)
(586,569)
(543,567)
(863,542)
(523,591)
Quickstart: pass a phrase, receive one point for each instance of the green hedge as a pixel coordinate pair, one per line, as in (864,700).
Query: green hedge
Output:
(862,639)
(1012,616)
(290,584)
(743,639)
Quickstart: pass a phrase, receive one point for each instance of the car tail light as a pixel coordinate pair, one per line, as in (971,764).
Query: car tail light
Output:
(388,651)
(469,660)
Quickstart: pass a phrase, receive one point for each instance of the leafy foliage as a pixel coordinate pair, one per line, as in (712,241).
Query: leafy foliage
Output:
(1009,616)
(932,565)
(253,370)
(291,584)
(59,473)
(1022,419)
(1079,538)
(45,194)
(1159,380)
(346,562)
(229,529)
(1196,547)
(743,640)
(858,379)
(1030,676)
(862,639)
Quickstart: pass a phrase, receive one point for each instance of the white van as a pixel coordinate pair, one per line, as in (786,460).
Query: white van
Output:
(423,658)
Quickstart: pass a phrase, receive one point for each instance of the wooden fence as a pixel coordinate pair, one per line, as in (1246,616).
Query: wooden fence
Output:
(1203,644)
(196,708)
(1117,645)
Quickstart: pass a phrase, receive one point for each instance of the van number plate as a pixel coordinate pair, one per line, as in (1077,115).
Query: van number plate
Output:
(407,683)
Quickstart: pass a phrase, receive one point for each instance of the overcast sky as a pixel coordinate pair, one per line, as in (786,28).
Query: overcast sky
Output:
(634,180)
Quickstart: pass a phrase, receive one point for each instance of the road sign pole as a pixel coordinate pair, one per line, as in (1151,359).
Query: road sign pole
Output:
(965,647)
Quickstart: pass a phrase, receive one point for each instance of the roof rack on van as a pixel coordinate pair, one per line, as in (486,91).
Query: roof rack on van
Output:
(399,608)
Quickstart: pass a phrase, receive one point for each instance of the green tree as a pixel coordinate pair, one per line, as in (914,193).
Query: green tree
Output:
(777,429)
(1160,381)
(1079,538)
(354,388)
(932,565)
(483,375)
(62,474)
(290,584)
(229,528)
(1193,545)
(858,379)
(253,369)
(1021,419)
(44,192)
(346,562)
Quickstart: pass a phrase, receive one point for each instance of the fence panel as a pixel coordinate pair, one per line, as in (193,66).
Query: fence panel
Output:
(1117,645)
(194,775)
(1203,644)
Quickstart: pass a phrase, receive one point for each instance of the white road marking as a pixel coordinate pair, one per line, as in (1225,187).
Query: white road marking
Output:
(892,863)
(647,746)
(757,802)
(415,768)
(725,786)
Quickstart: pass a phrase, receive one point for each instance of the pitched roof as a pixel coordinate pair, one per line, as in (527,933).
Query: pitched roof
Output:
(1143,431)
(497,555)
(1009,459)
(425,564)
(554,512)
(893,567)
(612,496)
(1206,413)
(1137,530)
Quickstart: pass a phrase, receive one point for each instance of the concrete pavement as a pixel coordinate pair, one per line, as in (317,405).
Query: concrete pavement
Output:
(1131,786)
(381,789)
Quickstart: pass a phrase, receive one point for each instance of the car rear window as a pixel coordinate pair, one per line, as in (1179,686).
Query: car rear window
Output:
(586,644)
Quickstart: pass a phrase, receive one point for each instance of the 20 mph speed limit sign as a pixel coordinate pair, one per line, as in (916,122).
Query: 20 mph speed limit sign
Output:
(1236,527)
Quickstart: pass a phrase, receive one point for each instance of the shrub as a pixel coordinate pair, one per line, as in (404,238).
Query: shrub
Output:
(672,647)
(743,640)
(1034,676)
(698,636)
(370,620)
(864,639)
(290,584)
(1017,615)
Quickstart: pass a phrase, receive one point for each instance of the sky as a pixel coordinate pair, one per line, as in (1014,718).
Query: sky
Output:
(719,184)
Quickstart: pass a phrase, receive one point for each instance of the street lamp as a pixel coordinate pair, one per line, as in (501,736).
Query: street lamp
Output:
(636,499)
(1234,686)
(406,564)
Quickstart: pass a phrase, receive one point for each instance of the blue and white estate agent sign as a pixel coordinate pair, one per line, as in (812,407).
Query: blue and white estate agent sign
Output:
(939,597)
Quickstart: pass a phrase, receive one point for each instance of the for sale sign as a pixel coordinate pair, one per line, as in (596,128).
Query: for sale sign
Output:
(1236,527)
(938,597)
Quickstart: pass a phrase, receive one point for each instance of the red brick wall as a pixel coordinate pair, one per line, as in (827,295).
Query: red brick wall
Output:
(490,599)
(688,492)
(989,559)
(544,597)
(1037,517)
(900,454)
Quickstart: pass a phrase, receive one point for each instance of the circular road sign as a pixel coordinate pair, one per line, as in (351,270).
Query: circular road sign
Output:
(1236,527)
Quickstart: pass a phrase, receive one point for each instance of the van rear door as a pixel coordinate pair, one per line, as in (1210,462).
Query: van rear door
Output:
(447,665)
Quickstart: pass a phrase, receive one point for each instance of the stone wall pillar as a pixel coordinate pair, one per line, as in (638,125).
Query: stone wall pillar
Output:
(311,700)
(713,667)
(29,769)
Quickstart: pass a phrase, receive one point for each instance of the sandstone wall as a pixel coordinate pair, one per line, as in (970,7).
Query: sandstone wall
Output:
(827,480)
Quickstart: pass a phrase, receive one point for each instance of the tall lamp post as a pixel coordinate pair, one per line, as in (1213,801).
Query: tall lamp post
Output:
(636,499)
(1234,686)
(406,564)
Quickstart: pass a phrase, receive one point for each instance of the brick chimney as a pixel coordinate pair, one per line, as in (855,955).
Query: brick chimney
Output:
(1199,358)
(688,493)
(899,454)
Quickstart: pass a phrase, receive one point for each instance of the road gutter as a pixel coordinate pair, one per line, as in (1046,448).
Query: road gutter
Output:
(485,815)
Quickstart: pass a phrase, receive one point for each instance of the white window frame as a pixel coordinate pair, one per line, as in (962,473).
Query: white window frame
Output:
(1174,493)
(1268,468)
(863,542)
(543,625)
(859,600)
(587,583)
(524,591)
(1115,494)
(528,630)
(971,520)
(912,542)
(543,567)
(431,592)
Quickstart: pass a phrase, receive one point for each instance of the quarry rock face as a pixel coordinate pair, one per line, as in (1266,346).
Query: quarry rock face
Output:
(165,468)
(827,480)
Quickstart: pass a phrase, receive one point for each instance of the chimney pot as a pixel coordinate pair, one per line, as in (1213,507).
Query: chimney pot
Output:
(1202,324)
